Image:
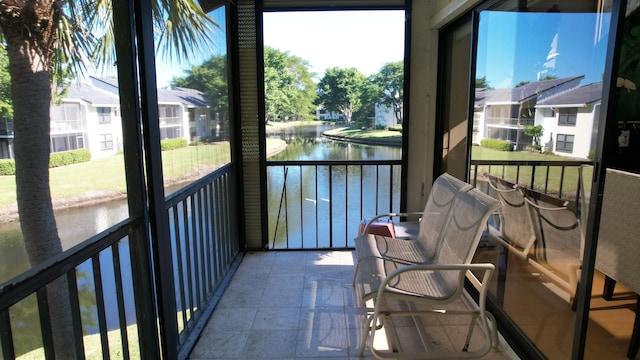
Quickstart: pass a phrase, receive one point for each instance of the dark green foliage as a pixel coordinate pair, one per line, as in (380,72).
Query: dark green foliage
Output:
(496,144)
(395,128)
(69,157)
(7,167)
(173,144)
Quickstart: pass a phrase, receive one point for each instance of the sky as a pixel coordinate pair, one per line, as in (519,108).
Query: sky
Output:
(365,40)
(514,47)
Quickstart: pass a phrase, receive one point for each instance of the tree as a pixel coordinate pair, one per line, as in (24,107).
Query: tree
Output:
(45,39)
(340,89)
(482,83)
(211,79)
(289,88)
(365,115)
(390,81)
(535,131)
(6,107)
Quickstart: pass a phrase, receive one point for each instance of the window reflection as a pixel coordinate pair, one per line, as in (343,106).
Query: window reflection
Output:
(193,99)
(539,70)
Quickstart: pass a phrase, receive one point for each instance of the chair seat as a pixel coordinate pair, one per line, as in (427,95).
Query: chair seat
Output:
(402,250)
(416,284)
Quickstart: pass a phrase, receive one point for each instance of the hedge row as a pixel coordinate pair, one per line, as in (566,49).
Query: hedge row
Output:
(496,144)
(8,166)
(173,144)
(69,157)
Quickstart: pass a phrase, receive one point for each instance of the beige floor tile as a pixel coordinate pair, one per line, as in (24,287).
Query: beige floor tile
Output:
(301,305)
(271,344)
(274,318)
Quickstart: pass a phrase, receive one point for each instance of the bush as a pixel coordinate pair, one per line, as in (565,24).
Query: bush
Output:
(496,144)
(69,157)
(534,148)
(7,167)
(172,144)
(395,128)
(592,155)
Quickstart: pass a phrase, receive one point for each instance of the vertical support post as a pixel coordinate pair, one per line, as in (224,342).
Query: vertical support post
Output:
(158,217)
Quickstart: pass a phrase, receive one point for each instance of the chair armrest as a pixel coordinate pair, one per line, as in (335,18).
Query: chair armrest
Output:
(405,214)
(488,269)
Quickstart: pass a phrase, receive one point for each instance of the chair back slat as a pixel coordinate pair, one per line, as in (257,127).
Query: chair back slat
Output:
(464,229)
(438,210)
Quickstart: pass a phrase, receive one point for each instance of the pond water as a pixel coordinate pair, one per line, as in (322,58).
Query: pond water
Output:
(78,224)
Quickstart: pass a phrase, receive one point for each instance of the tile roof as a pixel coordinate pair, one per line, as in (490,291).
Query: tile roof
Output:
(583,95)
(184,96)
(91,94)
(525,92)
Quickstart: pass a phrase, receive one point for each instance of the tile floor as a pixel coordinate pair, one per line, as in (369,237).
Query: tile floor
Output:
(301,305)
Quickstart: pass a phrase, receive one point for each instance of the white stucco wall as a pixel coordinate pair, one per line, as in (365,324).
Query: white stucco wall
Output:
(94,130)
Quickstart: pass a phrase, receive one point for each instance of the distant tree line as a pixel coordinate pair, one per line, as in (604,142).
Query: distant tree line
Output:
(291,94)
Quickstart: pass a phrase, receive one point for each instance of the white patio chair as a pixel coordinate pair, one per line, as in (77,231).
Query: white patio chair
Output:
(439,282)
(422,248)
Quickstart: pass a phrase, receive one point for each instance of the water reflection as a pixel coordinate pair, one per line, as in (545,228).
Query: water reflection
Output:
(78,224)
(301,213)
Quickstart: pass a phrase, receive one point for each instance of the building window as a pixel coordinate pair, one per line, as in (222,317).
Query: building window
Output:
(567,117)
(169,115)
(564,143)
(104,115)
(66,142)
(106,142)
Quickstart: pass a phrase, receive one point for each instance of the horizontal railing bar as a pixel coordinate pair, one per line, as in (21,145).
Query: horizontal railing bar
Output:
(35,278)
(332,162)
(532,162)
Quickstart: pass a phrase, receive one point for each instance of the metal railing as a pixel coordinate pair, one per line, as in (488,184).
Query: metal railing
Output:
(557,178)
(102,270)
(319,204)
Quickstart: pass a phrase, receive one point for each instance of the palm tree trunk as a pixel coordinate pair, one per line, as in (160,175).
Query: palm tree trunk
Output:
(29,35)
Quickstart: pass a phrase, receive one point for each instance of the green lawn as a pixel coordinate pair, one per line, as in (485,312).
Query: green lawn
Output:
(392,137)
(571,178)
(106,177)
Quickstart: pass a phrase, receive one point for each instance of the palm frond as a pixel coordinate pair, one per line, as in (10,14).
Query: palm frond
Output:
(75,40)
(183,29)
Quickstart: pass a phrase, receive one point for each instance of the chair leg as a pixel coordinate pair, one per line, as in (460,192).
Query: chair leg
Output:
(355,275)
(609,286)
(465,348)
(365,335)
(634,344)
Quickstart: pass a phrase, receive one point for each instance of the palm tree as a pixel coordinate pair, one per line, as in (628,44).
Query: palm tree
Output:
(45,39)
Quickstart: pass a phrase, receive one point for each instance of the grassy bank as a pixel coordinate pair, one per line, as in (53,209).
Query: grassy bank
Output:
(279,125)
(92,346)
(104,179)
(371,136)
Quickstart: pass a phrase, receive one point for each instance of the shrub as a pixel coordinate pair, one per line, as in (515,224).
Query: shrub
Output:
(592,155)
(534,148)
(496,144)
(395,128)
(172,144)
(69,157)
(7,167)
